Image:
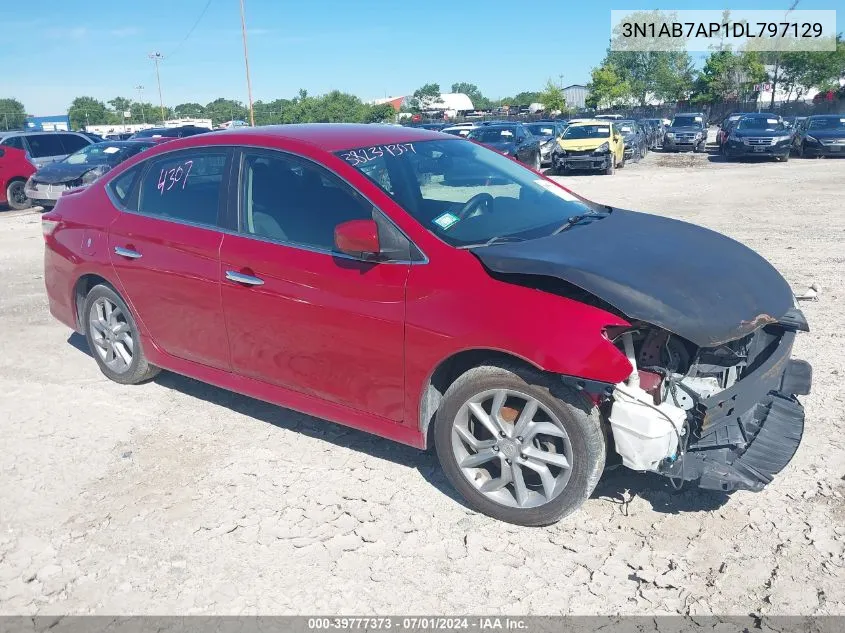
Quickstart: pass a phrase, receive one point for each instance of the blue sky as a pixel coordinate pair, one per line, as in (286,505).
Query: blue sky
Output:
(371,48)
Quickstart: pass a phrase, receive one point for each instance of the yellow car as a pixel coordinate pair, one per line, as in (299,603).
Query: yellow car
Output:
(589,144)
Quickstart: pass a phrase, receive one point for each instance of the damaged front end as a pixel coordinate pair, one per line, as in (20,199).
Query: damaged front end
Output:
(725,416)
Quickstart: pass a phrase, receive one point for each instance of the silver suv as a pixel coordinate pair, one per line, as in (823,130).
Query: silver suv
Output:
(45,147)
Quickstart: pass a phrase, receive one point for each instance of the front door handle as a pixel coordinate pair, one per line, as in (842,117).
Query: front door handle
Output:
(240,278)
(127,252)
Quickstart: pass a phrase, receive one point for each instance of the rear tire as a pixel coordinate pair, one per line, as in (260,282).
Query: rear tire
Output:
(572,435)
(15,196)
(114,339)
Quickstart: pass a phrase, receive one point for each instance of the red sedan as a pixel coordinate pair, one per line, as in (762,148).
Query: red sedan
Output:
(15,169)
(429,290)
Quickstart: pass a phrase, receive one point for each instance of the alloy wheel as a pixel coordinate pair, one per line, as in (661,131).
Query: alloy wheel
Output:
(112,335)
(512,448)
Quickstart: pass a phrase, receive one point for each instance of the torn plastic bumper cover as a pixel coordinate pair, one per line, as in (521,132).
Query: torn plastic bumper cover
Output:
(749,432)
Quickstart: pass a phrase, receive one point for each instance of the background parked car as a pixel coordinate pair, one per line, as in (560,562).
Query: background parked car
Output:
(653,129)
(589,145)
(547,132)
(511,140)
(636,142)
(687,132)
(47,185)
(161,134)
(820,135)
(15,169)
(759,135)
(118,136)
(45,147)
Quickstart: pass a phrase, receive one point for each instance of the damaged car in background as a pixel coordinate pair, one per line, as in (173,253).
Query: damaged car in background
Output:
(452,297)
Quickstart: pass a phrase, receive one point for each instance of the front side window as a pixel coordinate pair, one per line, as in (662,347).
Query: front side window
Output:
(291,200)
(43,145)
(465,193)
(184,186)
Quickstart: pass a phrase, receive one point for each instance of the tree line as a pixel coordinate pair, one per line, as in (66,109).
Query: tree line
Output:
(637,77)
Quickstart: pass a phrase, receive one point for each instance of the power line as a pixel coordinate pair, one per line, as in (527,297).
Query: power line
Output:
(191,30)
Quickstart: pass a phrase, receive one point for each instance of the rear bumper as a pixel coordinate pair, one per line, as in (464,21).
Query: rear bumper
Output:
(750,431)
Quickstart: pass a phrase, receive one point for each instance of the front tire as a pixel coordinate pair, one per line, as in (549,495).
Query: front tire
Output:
(16,196)
(519,445)
(114,339)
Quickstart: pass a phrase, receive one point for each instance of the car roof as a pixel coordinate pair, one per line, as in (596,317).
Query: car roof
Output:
(593,122)
(332,137)
(824,116)
(5,133)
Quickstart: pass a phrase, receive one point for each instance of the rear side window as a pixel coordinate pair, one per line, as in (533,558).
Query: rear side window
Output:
(73,142)
(43,145)
(124,189)
(184,186)
(14,141)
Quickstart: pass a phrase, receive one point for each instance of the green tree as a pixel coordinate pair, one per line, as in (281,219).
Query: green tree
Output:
(189,110)
(674,76)
(606,88)
(381,113)
(88,111)
(552,98)
(479,101)
(221,110)
(727,75)
(425,96)
(12,114)
(805,70)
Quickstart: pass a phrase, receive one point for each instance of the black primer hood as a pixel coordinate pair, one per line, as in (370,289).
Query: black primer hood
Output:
(689,280)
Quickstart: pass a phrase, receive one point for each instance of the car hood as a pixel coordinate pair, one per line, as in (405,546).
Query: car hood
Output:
(689,280)
(826,133)
(761,133)
(500,147)
(686,129)
(579,144)
(58,173)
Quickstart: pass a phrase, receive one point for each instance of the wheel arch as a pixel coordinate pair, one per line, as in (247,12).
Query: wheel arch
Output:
(81,289)
(449,369)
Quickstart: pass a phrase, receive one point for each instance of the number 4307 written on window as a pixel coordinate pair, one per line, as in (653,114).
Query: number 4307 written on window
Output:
(169,178)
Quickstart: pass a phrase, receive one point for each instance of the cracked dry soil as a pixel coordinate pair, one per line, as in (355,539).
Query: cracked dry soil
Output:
(179,498)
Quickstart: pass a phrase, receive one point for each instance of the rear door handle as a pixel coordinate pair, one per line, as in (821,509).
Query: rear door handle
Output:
(240,278)
(127,252)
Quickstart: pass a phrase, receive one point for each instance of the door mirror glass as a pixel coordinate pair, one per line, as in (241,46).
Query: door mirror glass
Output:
(358,238)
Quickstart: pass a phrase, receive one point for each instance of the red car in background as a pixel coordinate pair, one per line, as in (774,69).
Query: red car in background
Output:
(15,169)
(432,291)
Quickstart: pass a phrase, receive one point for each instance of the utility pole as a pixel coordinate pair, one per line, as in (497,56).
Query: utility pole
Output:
(140,90)
(246,61)
(156,57)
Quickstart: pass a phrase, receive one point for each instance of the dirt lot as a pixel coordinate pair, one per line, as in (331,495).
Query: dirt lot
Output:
(176,497)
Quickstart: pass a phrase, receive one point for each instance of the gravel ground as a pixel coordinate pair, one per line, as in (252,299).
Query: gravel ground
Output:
(179,498)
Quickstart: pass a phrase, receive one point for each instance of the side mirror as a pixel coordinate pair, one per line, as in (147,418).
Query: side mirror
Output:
(358,238)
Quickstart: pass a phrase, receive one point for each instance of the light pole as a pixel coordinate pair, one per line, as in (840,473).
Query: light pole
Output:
(246,62)
(156,57)
(140,90)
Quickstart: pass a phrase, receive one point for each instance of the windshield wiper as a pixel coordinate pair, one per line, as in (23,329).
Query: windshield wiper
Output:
(575,219)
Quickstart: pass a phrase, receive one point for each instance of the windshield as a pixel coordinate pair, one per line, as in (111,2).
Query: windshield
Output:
(827,123)
(465,193)
(541,129)
(625,128)
(457,131)
(587,131)
(687,121)
(98,154)
(760,123)
(493,134)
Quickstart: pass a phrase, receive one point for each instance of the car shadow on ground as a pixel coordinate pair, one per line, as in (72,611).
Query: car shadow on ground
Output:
(618,485)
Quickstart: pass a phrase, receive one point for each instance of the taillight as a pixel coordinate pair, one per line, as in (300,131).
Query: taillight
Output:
(49,222)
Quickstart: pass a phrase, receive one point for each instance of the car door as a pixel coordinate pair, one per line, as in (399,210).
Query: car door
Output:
(300,315)
(164,247)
